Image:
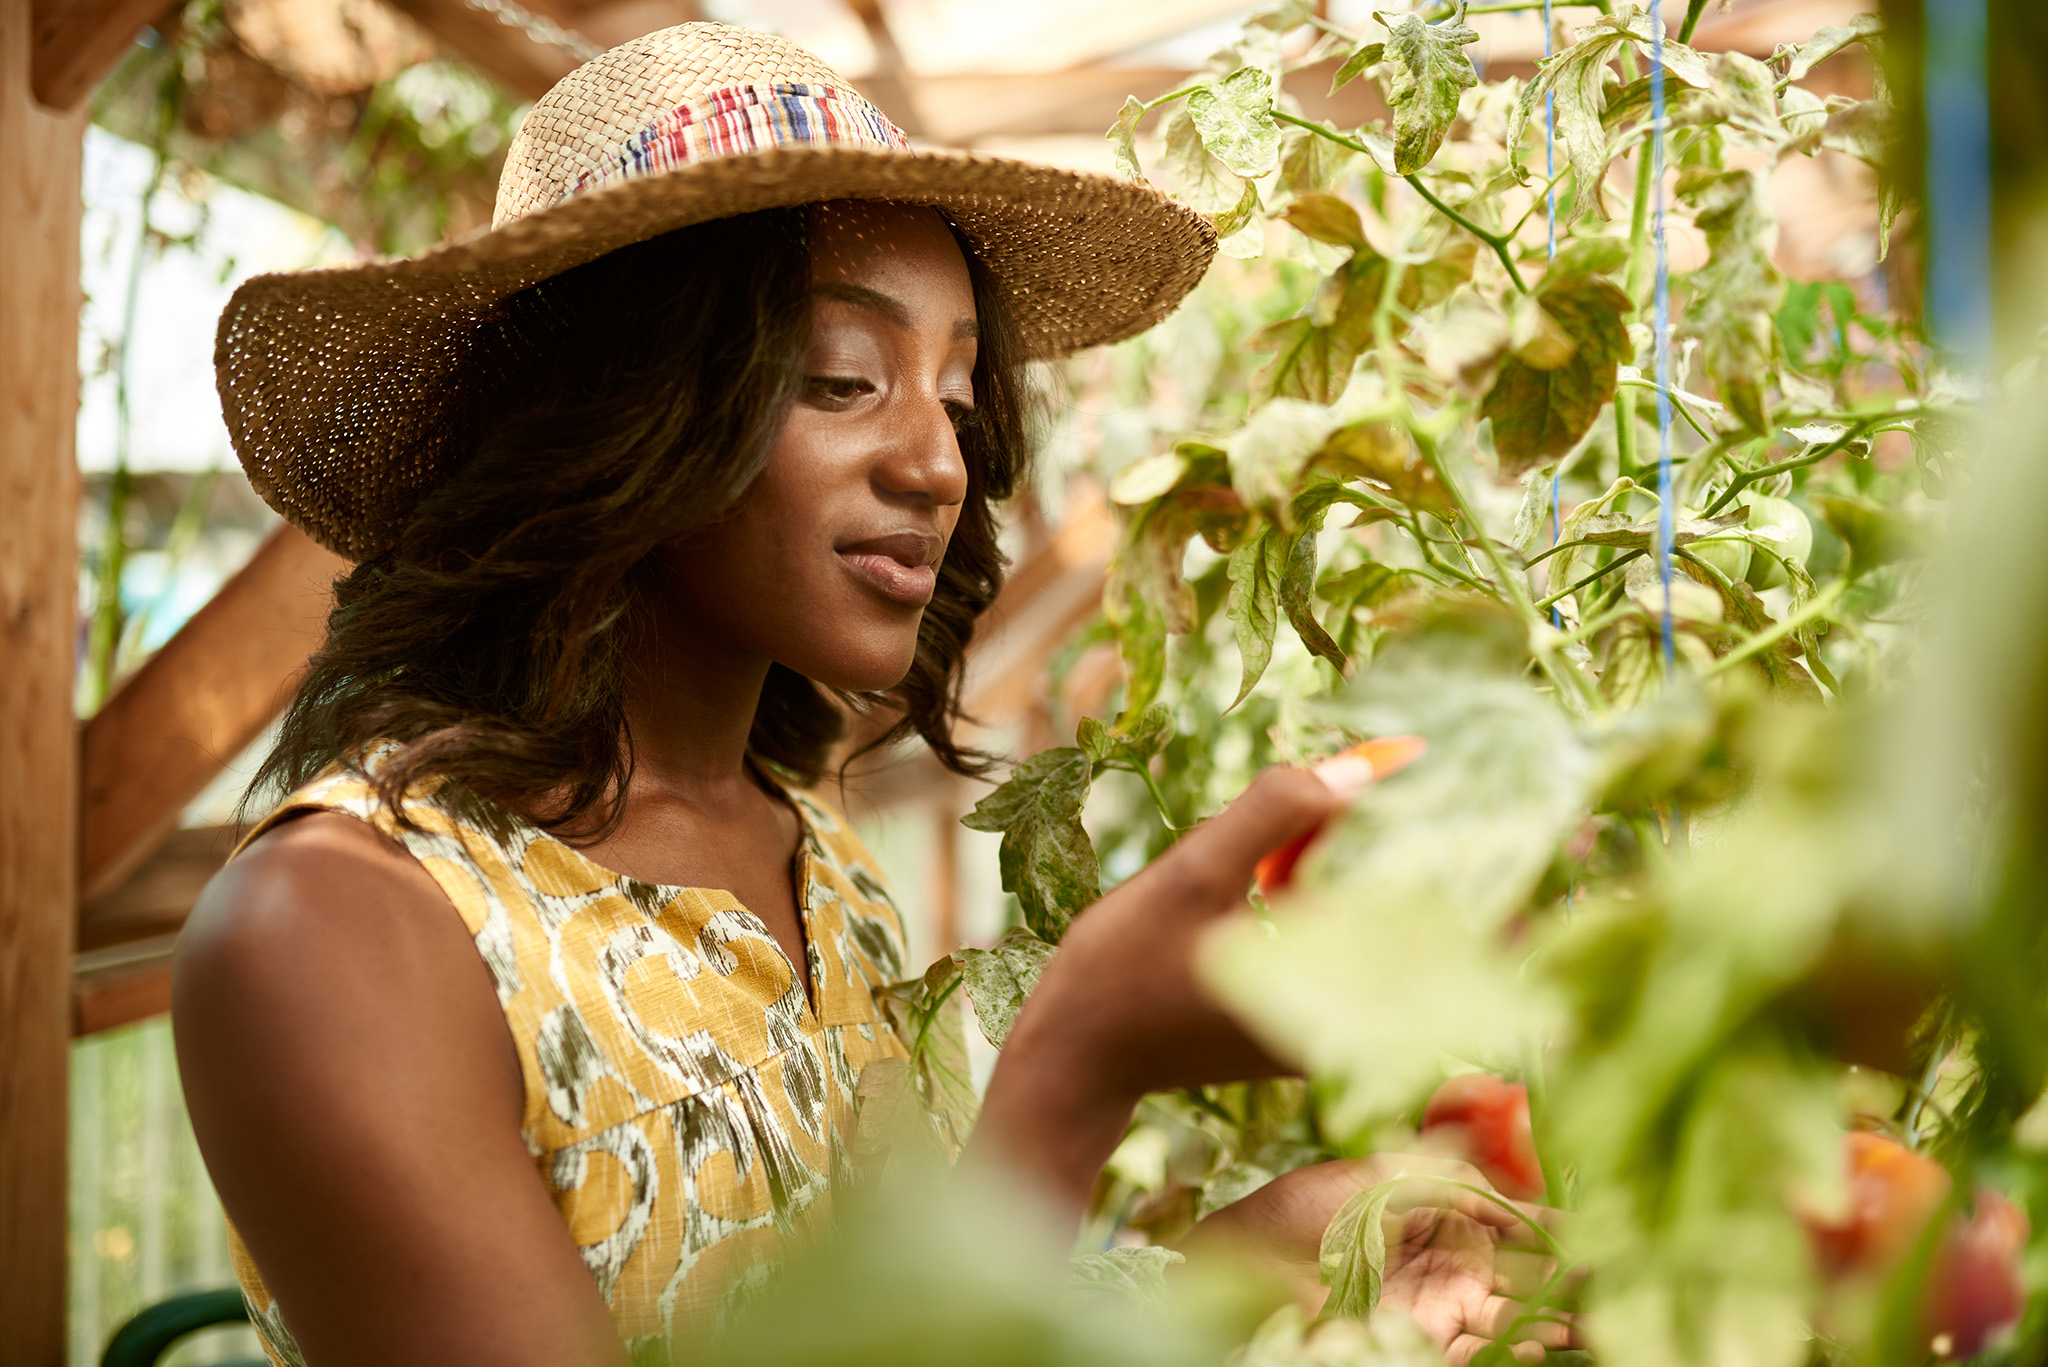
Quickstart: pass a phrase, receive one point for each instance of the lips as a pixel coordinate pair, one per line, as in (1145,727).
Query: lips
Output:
(902,566)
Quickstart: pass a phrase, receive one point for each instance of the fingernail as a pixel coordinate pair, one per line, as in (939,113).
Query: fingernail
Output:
(1346,775)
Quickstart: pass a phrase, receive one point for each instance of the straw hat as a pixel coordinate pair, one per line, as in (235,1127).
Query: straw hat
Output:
(341,386)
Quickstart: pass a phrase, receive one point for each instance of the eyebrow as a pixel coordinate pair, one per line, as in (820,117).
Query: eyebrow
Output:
(875,302)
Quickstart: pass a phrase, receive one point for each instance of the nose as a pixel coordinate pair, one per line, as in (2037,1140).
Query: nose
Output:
(920,464)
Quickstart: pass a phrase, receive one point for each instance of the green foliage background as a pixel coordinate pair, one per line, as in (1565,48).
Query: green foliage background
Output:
(1717,903)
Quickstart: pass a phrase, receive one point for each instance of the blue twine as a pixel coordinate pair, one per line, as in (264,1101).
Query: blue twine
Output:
(1958,181)
(1665,519)
(1550,222)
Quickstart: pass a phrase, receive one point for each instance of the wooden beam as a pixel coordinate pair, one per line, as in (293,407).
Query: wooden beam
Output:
(78,41)
(41,158)
(197,703)
(121,988)
(155,899)
(499,48)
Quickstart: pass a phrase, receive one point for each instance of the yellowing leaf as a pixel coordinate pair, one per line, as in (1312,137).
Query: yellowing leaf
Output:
(1738,291)
(1200,180)
(1255,571)
(1430,71)
(1326,218)
(1540,414)
(1046,857)
(1123,133)
(1235,120)
(1362,56)
(1352,1260)
(998,979)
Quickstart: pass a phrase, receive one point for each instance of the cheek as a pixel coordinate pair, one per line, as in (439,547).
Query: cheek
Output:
(769,580)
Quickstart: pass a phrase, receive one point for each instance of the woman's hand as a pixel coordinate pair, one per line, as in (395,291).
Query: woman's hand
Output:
(1118,1012)
(1458,1263)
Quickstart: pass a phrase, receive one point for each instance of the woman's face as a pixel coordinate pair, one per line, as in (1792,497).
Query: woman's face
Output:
(829,559)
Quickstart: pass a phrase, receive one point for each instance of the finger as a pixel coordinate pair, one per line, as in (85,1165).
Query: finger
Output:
(1497,1319)
(1548,1218)
(1466,1347)
(1519,1272)
(1280,805)
(1445,1191)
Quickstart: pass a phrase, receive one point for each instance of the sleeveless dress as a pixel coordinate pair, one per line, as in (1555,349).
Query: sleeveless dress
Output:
(687,1107)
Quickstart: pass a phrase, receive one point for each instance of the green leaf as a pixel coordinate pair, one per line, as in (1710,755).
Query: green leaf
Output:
(1539,415)
(1353,1257)
(1201,180)
(1133,1274)
(998,979)
(1133,740)
(1235,119)
(1046,857)
(1362,56)
(1124,134)
(1430,71)
(1255,571)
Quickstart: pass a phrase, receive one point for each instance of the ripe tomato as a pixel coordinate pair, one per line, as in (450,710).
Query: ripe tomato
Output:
(1974,1287)
(1386,755)
(1781,515)
(1893,1192)
(1487,1121)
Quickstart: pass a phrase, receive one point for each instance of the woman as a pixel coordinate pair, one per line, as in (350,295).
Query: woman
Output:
(706,434)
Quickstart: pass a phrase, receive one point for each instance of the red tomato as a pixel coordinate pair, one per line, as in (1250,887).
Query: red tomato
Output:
(1386,755)
(1893,1192)
(1488,1122)
(1974,1288)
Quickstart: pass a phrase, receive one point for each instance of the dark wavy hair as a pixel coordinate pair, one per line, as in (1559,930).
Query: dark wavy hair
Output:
(625,404)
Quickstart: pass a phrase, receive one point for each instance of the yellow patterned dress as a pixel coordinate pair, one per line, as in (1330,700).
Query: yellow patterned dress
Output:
(687,1107)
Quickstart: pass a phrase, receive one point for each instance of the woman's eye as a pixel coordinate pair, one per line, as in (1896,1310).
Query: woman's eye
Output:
(836,389)
(965,415)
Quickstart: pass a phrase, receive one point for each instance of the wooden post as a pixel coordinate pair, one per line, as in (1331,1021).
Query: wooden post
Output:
(41,155)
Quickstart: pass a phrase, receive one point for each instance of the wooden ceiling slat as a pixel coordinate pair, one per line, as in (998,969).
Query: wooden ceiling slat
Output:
(78,41)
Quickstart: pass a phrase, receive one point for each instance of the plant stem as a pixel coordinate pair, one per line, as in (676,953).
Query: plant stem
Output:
(1550,1243)
(1158,798)
(1605,569)
(1564,678)
(1679,400)
(1497,241)
(1692,19)
(1748,477)
(1817,606)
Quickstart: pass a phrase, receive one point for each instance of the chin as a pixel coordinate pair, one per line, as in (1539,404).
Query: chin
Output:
(859,666)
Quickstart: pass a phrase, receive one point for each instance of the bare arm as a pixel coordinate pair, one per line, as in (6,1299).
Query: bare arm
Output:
(357,1098)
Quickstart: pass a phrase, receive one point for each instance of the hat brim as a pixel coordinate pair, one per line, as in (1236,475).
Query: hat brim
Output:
(338,384)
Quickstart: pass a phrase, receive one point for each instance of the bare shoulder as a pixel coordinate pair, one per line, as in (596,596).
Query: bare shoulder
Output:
(325,930)
(357,1096)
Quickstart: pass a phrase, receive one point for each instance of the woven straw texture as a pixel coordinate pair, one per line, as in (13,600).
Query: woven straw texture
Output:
(344,389)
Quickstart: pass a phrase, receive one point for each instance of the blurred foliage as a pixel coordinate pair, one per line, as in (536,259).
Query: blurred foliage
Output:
(1725,862)
(395,151)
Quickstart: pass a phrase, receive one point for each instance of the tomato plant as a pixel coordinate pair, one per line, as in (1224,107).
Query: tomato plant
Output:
(1695,863)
